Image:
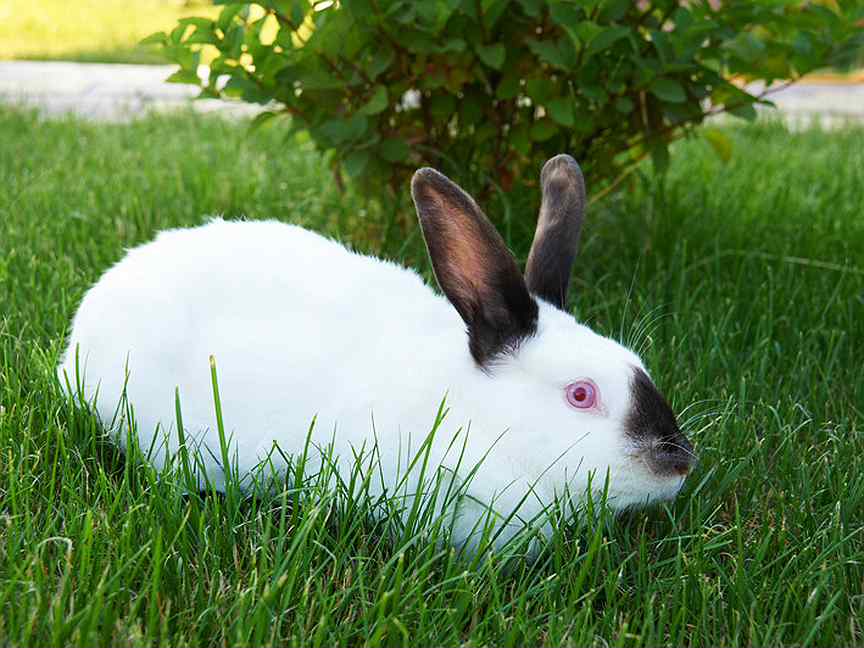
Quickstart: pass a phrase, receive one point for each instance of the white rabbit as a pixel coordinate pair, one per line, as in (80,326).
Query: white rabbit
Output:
(301,327)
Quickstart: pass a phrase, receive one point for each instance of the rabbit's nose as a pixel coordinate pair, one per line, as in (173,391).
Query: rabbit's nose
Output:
(672,457)
(652,424)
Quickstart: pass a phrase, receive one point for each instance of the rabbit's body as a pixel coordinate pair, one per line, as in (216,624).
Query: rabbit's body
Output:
(211,290)
(302,328)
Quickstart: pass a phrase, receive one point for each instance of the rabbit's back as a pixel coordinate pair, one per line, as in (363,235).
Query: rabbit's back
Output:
(298,326)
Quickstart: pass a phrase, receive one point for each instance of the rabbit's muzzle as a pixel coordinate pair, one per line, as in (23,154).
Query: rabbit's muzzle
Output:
(652,426)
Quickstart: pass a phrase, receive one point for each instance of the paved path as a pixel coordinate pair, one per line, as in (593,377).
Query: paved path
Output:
(108,92)
(121,92)
(832,102)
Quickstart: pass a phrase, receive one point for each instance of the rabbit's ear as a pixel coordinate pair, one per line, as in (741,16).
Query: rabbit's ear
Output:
(473,267)
(556,240)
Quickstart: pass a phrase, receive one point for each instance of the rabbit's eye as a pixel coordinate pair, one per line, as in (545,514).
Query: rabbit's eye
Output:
(582,394)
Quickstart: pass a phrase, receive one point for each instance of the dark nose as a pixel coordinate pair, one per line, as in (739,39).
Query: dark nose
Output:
(672,457)
(652,425)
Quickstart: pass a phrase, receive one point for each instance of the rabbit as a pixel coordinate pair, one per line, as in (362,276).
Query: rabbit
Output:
(301,328)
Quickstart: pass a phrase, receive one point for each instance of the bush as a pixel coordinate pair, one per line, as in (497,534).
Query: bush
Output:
(497,86)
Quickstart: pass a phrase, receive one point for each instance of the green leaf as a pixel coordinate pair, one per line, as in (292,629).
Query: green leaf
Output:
(299,9)
(355,162)
(492,55)
(159,38)
(471,107)
(232,44)
(615,9)
(561,110)
(226,16)
(454,45)
(541,90)
(177,34)
(379,61)
(520,138)
(204,35)
(585,123)
(246,89)
(442,106)
(746,112)
(730,95)
(720,142)
(344,130)
(661,43)
(546,51)
(607,38)
(184,76)
(624,105)
(683,18)
(183,56)
(584,32)
(436,13)
(377,103)
(565,14)
(532,8)
(543,130)
(492,11)
(261,119)
(594,92)
(394,150)
(206,23)
(668,90)
(485,132)
(509,87)
(560,53)
(746,47)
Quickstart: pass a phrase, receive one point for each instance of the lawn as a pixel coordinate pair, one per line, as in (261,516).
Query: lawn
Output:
(749,275)
(104,31)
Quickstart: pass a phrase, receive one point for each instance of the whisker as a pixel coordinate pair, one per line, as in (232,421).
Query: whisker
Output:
(676,446)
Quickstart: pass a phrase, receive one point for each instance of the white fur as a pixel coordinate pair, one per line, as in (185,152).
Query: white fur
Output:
(301,327)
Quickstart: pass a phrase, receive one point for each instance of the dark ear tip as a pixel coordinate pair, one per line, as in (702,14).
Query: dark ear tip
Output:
(427,177)
(561,166)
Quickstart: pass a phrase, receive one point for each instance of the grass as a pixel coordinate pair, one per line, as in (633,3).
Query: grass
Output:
(94,31)
(751,273)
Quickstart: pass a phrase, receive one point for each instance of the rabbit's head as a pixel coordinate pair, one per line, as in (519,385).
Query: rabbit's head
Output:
(578,408)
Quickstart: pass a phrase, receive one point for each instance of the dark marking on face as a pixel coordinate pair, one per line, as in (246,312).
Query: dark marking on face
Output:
(652,425)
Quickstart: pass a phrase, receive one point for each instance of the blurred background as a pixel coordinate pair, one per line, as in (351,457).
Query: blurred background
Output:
(488,89)
(97,31)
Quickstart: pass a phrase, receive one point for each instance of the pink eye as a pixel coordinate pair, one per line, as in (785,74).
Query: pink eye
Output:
(582,394)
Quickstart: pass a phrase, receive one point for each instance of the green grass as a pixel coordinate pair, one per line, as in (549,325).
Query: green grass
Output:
(94,31)
(752,273)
